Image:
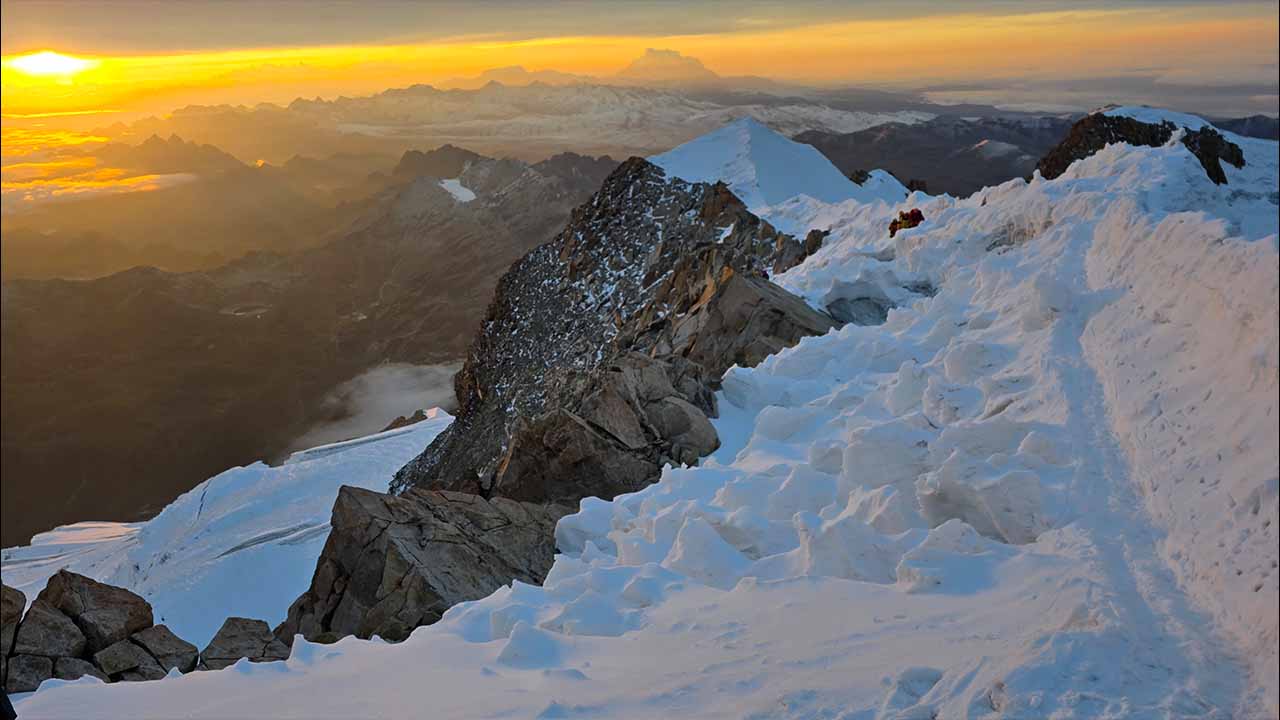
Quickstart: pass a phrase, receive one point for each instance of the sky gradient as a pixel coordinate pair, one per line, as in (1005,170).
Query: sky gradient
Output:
(151,56)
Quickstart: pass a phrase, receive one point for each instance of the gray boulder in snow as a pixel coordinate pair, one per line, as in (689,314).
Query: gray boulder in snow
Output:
(106,614)
(392,564)
(24,673)
(46,632)
(169,650)
(69,668)
(127,658)
(242,638)
(63,633)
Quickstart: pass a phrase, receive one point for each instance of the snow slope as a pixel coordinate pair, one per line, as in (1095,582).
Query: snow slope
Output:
(764,168)
(989,506)
(243,542)
(460,192)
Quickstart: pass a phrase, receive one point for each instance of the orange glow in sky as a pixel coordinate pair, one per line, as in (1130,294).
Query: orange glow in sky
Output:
(870,52)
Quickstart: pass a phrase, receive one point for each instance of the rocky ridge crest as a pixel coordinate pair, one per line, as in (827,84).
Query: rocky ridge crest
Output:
(595,367)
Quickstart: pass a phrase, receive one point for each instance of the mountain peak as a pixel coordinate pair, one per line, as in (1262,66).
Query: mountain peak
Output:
(765,168)
(667,66)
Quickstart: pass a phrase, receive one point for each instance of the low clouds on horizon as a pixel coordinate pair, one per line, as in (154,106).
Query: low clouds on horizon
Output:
(369,402)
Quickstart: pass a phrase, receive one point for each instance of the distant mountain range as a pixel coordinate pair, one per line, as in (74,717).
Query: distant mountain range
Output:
(950,155)
(165,378)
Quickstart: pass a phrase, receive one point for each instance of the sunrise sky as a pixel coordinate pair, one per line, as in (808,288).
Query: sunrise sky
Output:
(148,57)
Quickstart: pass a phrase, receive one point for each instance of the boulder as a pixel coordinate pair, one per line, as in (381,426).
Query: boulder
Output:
(127,657)
(242,638)
(69,668)
(104,613)
(48,633)
(12,603)
(169,650)
(25,672)
(559,457)
(394,563)
(865,310)
(740,320)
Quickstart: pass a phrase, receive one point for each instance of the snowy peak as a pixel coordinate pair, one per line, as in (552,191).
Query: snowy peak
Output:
(763,168)
(1155,116)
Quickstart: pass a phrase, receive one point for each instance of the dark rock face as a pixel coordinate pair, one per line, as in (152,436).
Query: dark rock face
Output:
(394,563)
(611,430)
(169,650)
(104,613)
(1094,132)
(26,672)
(49,633)
(242,638)
(78,626)
(649,264)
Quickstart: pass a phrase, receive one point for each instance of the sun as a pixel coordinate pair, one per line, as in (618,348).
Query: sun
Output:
(48,62)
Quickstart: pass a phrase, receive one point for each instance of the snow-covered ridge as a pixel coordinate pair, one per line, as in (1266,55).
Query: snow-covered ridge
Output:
(1027,496)
(763,168)
(1155,116)
(242,543)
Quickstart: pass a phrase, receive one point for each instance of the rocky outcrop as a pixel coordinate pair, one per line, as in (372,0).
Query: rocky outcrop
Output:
(104,613)
(77,626)
(394,563)
(595,368)
(654,265)
(611,430)
(403,421)
(242,638)
(1096,131)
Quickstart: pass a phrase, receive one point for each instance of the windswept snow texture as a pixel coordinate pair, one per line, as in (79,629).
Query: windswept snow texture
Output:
(1047,491)
(764,168)
(243,543)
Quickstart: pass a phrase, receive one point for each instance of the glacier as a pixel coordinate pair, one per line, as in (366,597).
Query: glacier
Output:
(1049,490)
(242,543)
